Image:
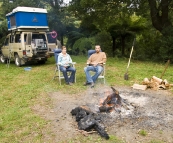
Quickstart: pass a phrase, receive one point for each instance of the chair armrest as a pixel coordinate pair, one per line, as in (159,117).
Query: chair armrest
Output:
(73,63)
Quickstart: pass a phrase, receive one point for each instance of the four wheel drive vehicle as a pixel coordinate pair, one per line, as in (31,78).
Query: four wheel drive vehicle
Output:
(23,47)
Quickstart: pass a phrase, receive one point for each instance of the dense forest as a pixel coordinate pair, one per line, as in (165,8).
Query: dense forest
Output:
(113,24)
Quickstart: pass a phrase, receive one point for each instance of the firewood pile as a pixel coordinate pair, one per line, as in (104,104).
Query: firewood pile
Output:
(154,83)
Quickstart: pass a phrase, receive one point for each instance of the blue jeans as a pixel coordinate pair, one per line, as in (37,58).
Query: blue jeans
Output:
(97,69)
(68,69)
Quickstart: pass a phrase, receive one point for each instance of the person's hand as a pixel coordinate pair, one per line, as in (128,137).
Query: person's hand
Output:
(95,64)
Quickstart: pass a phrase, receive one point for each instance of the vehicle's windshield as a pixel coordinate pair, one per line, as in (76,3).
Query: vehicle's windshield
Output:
(50,38)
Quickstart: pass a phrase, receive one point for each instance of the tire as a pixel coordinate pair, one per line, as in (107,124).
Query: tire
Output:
(2,59)
(17,60)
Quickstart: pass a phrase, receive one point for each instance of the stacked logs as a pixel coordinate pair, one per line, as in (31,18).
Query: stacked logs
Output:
(156,83)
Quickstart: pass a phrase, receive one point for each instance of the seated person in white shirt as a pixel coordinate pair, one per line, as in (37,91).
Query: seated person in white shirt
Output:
(64,60)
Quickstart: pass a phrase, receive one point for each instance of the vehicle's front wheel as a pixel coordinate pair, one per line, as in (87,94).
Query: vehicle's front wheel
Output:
(17,60)
(2,59)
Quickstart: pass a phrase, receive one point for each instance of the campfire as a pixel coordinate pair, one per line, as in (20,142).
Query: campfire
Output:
(112,102)
(89,120)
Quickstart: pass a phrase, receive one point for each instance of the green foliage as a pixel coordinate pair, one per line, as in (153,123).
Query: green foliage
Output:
(166,44)
(3,31)
(104,40)
(82,45)
(73,36)
(147,46)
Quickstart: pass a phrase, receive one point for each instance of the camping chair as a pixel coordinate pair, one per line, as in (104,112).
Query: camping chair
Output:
(58,73)
(102,75)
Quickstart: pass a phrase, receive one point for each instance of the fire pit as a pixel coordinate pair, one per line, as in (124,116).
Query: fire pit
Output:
(112,110)
(88,119)
(139,110)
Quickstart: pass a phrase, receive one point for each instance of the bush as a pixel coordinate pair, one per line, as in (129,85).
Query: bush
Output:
(147,46)
(104,40)
(166,44)
(82,45)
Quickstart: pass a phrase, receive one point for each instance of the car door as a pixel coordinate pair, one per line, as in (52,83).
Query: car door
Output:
(5,48)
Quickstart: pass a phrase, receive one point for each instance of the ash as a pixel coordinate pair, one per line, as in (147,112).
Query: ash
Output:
(139,109)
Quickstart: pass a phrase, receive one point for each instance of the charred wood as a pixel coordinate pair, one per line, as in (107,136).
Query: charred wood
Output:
(105,108)
(88,120)
(111,101)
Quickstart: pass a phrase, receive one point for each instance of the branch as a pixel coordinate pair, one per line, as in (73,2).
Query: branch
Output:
(154,12)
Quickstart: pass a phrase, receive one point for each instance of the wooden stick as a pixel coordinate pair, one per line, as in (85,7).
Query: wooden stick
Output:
(165,68)
(85,133)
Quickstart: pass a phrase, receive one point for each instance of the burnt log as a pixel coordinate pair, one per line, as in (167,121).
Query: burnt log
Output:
(111,101)
(105,108)
(88,120)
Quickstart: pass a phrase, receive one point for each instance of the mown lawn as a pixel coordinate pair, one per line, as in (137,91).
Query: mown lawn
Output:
(20,90)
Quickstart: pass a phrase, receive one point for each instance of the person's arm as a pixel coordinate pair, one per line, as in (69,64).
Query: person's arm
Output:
(60,59)
(70,60)
(89,60)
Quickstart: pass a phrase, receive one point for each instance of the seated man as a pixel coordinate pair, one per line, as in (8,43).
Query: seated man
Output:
(64,60)
(95,62)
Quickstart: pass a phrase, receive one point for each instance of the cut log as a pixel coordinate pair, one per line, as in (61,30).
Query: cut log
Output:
(141,87)
(157,79)
(145,81)
(166,83)
(162,86)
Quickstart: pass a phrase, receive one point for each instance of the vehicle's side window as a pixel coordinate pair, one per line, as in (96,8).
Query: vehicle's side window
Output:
(17,38)
(11,38)
(6,43)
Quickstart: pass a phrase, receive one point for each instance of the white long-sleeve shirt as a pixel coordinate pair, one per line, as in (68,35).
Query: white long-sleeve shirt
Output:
(64,60)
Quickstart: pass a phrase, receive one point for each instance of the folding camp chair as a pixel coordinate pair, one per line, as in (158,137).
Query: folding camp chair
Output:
(58,74)
(102,75)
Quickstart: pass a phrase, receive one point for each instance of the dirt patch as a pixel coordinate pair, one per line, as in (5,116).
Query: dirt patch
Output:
(151,111)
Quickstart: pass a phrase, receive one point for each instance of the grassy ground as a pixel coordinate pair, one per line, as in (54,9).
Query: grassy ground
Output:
(20,90)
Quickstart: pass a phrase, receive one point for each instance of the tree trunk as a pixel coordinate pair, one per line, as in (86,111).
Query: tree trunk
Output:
(123,45)
(159,14)
(62,40)
(113,46)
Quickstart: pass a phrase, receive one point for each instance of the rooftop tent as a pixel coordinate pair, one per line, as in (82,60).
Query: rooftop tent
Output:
(27,18)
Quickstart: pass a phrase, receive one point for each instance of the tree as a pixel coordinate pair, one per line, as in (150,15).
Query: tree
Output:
(159,11)
(112,16)
(59,19)
(7,7)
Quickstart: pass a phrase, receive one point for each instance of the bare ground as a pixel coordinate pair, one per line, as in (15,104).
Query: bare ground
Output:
(148,110)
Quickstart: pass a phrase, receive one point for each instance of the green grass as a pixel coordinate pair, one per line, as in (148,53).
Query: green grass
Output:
(20,90)
(156,141)
(143,132)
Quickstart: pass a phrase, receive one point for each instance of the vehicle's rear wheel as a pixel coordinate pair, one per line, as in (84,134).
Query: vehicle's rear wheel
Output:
(17,60)
(2,59)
